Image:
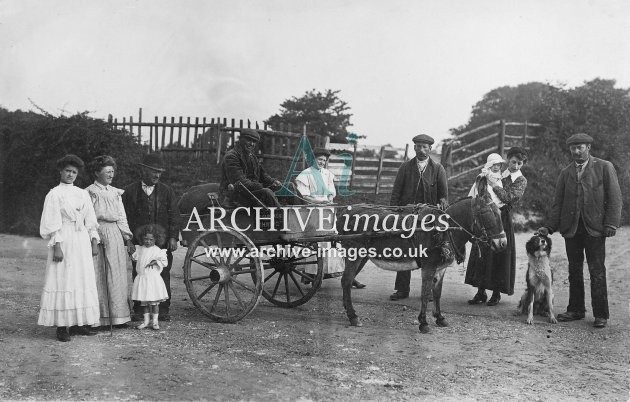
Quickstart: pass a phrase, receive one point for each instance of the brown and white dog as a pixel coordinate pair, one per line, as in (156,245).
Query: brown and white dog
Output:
(538,298)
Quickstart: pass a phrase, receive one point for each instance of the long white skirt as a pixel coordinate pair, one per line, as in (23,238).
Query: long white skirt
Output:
(70,296)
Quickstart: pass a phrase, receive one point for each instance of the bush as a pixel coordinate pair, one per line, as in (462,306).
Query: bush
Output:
(31,145)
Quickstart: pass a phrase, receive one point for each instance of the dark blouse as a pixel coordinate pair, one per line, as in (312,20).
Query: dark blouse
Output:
(511,192)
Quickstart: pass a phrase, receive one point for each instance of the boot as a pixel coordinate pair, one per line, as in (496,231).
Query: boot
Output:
(494,300)
(154,323)
(62,334)
(479,298)
(145,323)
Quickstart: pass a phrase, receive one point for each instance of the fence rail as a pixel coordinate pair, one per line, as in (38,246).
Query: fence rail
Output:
(471,158)
(211,135)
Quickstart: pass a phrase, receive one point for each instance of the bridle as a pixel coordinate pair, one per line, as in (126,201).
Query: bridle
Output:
(483,237)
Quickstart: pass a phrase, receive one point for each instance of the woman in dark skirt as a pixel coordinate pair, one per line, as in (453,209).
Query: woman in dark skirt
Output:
(496,271)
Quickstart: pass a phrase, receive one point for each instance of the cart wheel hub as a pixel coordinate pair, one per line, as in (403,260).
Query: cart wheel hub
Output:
(220,275)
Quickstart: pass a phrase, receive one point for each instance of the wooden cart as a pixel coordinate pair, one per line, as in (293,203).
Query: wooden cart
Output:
(228,267)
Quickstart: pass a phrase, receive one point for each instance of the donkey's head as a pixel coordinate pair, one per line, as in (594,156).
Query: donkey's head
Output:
(487,217)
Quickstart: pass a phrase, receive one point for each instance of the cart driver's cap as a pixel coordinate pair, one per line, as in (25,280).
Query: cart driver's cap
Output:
(250,133)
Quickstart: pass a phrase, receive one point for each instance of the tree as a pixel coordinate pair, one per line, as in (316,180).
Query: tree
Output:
(323,113)
(596,108)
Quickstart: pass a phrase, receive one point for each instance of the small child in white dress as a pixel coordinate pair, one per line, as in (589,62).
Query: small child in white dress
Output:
(492,171)
(148,287)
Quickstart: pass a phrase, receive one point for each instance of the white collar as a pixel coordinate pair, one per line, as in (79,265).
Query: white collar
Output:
(147,185)
(513,176)
(583,164)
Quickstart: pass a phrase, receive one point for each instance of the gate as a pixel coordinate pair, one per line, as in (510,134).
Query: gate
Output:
(465,147)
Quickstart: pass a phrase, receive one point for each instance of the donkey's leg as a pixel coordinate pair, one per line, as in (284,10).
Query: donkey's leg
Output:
(427,289)
(438,280)
(352,267)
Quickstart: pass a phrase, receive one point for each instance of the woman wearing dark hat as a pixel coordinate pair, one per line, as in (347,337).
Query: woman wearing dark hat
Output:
(316,184)
(69,300)
(496,271)
(111,262)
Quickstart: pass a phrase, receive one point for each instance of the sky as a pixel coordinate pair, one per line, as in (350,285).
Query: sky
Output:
(404,67)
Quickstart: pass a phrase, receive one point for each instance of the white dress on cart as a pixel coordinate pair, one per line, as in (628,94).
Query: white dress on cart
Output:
(308,184)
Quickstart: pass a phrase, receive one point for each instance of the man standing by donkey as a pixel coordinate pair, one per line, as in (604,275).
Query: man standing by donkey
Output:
(418,181)
(150,202)
(586,210)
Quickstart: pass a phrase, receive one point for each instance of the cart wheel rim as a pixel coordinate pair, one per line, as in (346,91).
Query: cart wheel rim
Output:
(284,277)
(222,277)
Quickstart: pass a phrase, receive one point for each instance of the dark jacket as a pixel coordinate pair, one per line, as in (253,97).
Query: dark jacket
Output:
(165,203)
(241,166)
(410,189)
(602,199)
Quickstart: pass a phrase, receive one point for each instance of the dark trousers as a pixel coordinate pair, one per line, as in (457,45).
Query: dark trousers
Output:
(403,278)
(595,250)
(166,277)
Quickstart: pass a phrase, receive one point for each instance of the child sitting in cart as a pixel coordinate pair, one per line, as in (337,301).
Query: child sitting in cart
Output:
(148,287)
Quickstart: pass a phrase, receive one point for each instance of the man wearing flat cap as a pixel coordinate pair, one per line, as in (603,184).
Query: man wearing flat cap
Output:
(243,179)
(586,210)
(418,181)
(148,201)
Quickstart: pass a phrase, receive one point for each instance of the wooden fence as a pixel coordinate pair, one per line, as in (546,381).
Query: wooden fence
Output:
(212,135)
(207,136)
(469,158)
(368,174)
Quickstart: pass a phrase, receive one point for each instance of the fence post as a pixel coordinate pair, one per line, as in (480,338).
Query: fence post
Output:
(501,144)
(140,126)
(380,169)
(525,135)
(406,153)
(446,159)
(354,162)
(150,139)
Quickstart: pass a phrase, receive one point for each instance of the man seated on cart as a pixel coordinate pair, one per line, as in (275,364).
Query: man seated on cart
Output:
(244,181)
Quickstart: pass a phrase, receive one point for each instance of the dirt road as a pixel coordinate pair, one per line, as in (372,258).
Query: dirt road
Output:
(310,352)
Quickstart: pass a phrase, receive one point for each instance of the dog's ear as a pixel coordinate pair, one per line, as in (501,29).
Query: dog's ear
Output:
(548,246)
(531,246)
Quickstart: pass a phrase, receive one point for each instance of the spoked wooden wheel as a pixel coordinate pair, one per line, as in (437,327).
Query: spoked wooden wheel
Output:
(291,278)
(222,281)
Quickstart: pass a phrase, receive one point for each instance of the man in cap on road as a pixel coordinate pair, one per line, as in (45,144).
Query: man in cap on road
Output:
(148,201)
(418,181)
(243,179)
(586,210)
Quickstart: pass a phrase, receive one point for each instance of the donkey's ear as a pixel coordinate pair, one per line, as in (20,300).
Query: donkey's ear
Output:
(482,185)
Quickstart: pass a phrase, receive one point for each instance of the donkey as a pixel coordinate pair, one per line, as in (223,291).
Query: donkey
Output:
(475,219)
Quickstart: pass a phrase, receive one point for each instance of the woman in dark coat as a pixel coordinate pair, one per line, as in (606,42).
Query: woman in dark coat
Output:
(496,271)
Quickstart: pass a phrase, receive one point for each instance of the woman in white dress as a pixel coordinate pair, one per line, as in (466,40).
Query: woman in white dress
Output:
(69,300)
(111,262)
(317,185)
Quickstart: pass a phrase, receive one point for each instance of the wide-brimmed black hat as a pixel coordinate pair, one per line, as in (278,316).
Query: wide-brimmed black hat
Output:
(321,151)
(152,161)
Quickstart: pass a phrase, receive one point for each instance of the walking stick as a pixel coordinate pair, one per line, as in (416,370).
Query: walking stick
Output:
(109,307)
